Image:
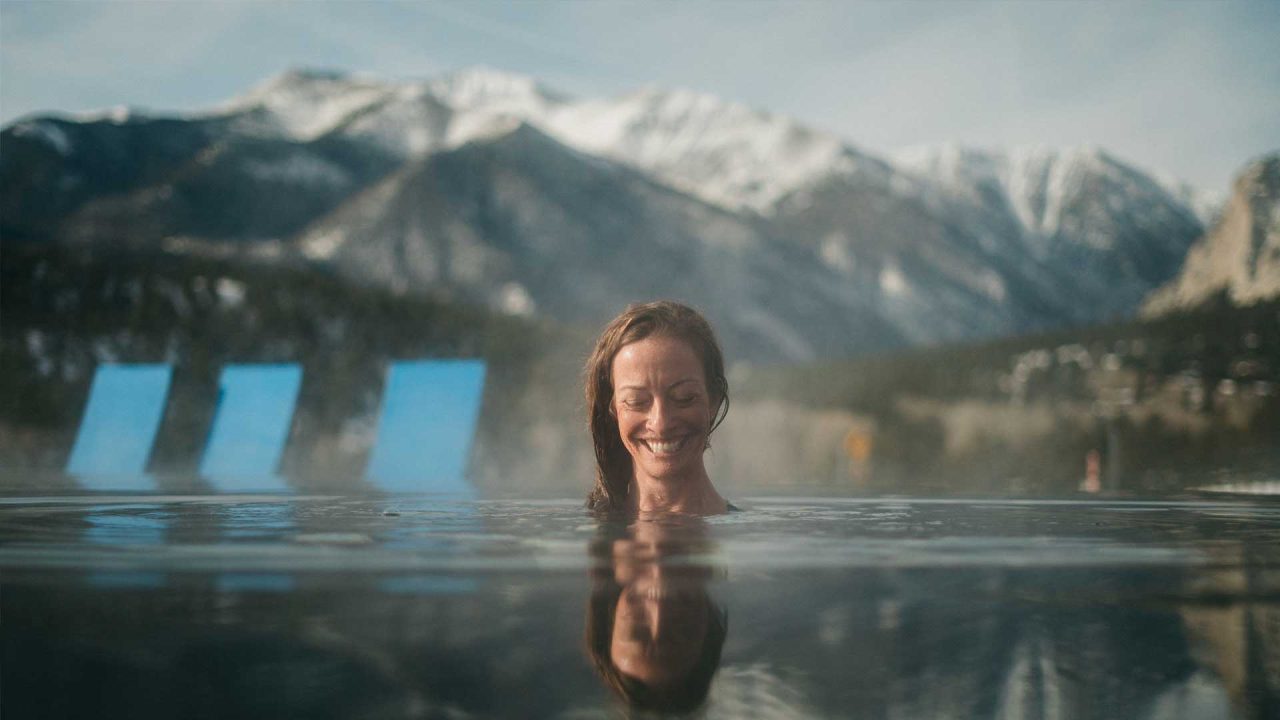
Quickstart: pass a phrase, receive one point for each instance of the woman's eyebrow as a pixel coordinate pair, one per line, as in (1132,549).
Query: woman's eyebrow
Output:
(644,388)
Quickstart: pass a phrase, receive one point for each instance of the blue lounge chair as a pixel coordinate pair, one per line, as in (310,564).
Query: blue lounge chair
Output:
(428,419)
(251,426)
(118,428)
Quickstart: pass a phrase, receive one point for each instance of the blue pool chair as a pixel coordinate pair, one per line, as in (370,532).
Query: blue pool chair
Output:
(428,419)
(250,427)
(118,428)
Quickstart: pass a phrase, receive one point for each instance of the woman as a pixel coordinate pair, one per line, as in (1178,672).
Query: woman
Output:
(656,389)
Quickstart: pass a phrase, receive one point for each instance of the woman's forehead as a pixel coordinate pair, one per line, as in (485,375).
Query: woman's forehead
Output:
(661,359)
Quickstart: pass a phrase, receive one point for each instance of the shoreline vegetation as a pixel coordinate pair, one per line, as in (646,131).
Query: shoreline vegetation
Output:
(1166,404)
(1162,404)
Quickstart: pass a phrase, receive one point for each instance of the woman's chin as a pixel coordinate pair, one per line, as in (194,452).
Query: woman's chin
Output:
(671,468)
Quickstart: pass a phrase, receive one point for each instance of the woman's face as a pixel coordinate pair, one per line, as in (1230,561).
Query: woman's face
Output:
(663,410)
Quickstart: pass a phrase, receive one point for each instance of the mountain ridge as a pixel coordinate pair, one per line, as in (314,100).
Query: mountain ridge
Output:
(878,250)
(1240,255)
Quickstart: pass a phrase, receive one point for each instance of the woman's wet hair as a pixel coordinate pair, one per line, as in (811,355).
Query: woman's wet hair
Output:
(663,318)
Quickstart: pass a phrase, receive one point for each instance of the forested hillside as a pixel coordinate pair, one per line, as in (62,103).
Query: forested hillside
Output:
(1183,400)
(66,311)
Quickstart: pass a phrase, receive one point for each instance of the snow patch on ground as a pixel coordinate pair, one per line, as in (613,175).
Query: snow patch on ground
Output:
(230,292)
(992,286)
(835,253)
(479,126)
(323,246)
(722,152)
(892,281)
(298,168)
(513,299)
(780,333)
(492,90)
(38,349)
(306,104)
(402,124)
(47,132)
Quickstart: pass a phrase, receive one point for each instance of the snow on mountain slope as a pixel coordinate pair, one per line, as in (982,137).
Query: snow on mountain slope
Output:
(495,91)
(1112,229)
(521,221)
(45,131)
(939,244)
(410,119)
(936,268)
(303,104)
(722,152)
(409,122)
(1206,204)
(1039,185)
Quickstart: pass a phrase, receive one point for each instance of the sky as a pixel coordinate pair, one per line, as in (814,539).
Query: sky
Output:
(1189,89)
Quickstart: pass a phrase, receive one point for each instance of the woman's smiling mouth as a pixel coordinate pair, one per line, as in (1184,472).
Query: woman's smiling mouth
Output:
(666,447)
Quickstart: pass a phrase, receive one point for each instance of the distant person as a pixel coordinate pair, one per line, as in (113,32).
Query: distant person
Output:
(653,633)
(1092,482)
(656,389)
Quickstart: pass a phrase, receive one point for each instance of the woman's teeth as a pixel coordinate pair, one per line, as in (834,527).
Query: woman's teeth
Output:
(663,448)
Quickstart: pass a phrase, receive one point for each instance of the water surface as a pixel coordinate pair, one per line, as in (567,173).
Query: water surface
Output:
(405,606)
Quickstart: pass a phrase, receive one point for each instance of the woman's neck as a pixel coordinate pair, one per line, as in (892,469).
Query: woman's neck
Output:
(694,495)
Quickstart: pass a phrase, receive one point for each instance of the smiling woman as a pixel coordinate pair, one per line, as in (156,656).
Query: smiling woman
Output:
(656,389)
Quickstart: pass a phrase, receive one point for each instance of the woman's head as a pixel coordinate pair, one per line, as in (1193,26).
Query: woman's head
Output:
(668,355)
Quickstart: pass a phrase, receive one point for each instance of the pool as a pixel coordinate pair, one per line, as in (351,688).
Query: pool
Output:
(423,606)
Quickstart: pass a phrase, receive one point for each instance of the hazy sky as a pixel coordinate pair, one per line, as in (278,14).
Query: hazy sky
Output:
(1187,88)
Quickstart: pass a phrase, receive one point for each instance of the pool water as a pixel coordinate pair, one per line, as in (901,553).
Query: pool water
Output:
(411,606)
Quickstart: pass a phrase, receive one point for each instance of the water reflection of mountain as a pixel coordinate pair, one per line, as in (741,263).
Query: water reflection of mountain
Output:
(907,646)
(1239,642)
(1032,641)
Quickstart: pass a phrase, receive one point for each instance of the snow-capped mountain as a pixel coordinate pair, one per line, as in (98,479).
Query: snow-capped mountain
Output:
(1241,254)
(306,104)
(1054,194)
(724,153)
(721,152)
(1119,229)
(528,225)
(491,187)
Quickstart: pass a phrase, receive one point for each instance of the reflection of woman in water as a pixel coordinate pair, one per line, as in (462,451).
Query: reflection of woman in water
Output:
(656,389)
(653,633)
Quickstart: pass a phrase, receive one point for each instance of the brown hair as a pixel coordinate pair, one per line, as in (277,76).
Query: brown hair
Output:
(662,318)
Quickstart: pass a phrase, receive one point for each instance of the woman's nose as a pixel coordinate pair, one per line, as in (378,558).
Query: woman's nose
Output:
(659,415)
